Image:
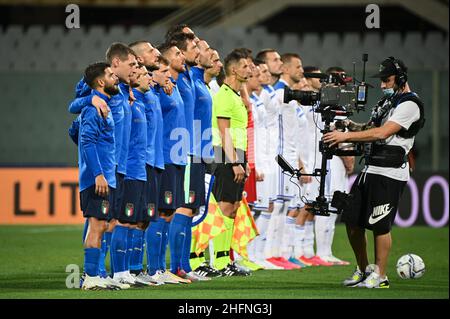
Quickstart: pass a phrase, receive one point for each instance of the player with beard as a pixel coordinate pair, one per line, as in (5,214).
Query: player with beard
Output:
(97,170)
(212,73)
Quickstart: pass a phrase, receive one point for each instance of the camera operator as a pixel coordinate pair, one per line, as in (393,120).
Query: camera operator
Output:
(376,192)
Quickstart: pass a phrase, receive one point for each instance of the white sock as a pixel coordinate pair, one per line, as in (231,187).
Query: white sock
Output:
(308,247)
(330,234)
(299,240)
(271,229)
(321,230)
(256,246)
(279,231)
(211,253)
(287,239)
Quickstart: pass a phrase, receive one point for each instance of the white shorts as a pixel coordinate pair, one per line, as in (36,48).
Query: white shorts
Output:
(287,187)
(296,202)
(263,192)
(312,189)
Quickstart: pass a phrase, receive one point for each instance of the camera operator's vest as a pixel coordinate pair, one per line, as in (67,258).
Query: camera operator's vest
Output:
(392,155)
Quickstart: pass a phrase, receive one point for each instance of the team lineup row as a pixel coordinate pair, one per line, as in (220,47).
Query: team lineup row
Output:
(156,123)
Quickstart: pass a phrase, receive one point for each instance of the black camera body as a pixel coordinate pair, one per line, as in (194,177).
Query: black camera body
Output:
(335,94)
(338,97)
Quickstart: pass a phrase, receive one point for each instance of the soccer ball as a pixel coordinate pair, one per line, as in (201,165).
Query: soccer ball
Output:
(410,266)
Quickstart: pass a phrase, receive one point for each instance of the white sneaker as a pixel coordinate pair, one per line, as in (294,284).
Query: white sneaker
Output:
(268,265)
(374,280)
(146,279)
(116,284)
(94,283)
(193,276)
(139,282)
(125,278)
(165,278)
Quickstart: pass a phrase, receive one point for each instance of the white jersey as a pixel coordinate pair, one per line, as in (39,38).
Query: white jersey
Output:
(311,155)
(404,115)
(268,97)
(214,86)
(338,179)
(260,133)
(290,115)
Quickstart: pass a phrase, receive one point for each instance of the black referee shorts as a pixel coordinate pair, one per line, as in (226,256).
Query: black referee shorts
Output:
(225,189)
(375,202)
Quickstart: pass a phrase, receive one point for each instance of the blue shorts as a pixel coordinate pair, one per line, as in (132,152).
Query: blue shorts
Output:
(171,196)
(194,187)
(118,196)
(152,191)
(133,202)
(93,205)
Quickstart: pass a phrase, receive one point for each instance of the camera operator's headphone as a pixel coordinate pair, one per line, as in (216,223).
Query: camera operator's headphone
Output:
(401,77)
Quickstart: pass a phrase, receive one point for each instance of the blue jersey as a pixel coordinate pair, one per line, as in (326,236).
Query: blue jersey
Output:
(186,86)
(96,147)
(202,116)
(137,147)
(83,97)
(124,134)
(175,136)
(153,114)
(117,104)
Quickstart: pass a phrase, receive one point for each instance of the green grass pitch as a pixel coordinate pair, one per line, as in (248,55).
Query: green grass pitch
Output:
(34,260)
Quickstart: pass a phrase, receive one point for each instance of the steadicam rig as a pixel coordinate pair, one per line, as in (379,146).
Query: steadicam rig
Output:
(336,98)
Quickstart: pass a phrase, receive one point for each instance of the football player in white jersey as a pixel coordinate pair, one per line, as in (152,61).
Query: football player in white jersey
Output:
(286,202)
(262,96)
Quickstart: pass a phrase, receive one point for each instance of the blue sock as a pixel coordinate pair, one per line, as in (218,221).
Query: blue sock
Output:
(85,229)
(176,240)
(153,238)
(186,252)
(136,253)
(119,248)
(91,257)
(101,261)
(108,236)
(164,242)
(129,248)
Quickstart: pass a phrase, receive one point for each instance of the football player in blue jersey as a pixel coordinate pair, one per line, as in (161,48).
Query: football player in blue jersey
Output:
(175,150)
(96,154)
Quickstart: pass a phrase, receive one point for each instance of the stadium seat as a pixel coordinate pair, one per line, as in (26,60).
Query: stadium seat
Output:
(290,43)
(157,34)
(372,42)
(137,33)
(331,42)
(393,44)
(117,33)
(350,40)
